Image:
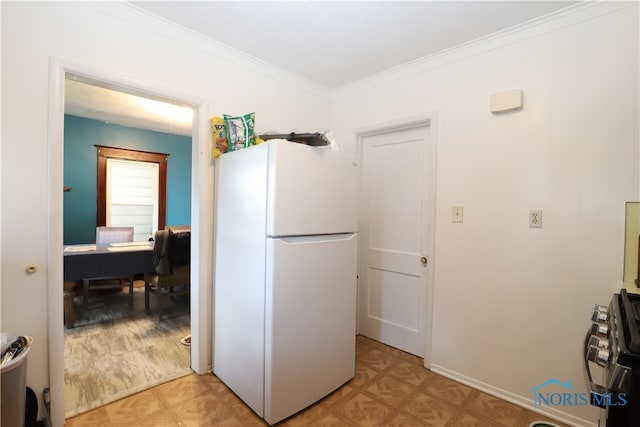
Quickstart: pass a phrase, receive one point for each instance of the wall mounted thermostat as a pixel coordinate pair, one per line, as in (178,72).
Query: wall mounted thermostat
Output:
(506,101)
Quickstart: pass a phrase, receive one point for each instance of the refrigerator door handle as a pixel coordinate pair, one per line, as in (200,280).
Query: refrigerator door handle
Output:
(315,238)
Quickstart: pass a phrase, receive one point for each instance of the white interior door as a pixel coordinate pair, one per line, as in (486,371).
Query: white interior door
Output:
(393,257)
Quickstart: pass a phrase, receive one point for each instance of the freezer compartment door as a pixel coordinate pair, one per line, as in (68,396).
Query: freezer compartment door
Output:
(311,190)
(310,321)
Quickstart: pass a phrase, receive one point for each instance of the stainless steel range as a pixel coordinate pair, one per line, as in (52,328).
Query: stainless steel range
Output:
(613,342)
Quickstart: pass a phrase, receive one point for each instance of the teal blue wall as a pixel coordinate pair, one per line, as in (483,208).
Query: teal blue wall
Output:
(80,169)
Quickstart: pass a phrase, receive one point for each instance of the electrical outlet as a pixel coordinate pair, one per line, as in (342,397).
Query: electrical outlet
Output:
(535,219)
(456,213)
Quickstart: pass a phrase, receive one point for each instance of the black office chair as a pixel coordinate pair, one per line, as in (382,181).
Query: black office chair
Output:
(172,248)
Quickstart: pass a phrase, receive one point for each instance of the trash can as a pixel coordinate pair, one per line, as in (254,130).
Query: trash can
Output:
(13,373)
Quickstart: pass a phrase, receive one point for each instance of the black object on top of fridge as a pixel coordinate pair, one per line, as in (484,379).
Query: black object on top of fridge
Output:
(315,139)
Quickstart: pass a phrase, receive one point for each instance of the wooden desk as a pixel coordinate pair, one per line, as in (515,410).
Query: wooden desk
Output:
(86,262)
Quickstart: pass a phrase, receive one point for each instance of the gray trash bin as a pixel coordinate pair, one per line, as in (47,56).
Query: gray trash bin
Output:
(14,390)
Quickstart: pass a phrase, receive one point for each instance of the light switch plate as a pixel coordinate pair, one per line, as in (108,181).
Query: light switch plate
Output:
(457,213)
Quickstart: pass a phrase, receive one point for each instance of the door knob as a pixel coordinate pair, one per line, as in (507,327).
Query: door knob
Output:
(423,260)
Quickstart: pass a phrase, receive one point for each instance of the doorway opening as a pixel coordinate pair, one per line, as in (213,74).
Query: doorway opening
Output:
(395,285)
(115,347)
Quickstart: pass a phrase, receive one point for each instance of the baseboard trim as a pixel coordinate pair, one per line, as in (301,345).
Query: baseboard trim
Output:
(555,414)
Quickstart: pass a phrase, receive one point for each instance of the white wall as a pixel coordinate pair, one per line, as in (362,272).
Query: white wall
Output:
(117,42)
(512,303)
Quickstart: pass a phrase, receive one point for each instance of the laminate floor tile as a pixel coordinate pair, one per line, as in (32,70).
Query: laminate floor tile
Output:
(390,388)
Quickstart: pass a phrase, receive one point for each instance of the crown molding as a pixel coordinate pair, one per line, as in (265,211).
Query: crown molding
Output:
(551,22)
(168,29)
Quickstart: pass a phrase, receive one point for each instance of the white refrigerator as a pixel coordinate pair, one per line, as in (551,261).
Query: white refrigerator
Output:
(285,274)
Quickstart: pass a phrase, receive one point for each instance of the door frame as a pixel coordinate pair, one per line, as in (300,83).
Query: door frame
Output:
(429,120)
(201,222)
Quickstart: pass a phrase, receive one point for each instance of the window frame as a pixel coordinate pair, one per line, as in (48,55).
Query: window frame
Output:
(104,153)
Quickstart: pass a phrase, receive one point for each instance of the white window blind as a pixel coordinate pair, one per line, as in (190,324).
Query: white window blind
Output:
(132,196)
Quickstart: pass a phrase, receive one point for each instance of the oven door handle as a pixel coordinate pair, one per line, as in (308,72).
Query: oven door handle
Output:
(597,393)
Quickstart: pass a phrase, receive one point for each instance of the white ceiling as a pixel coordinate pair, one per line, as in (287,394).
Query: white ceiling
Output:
(331,43)
(95,100)
(334,43)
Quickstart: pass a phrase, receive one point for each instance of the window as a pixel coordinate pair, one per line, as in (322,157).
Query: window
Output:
(132,196)
(132,190)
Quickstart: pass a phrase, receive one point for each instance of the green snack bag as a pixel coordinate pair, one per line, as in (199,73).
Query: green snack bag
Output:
(240,133)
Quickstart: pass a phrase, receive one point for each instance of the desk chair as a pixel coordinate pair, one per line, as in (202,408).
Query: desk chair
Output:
(104,237)
(172,258)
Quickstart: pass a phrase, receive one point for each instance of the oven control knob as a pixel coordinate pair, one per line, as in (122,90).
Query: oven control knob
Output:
(603,357)
(598,328)
(600,356)
(598,342)
(599,313)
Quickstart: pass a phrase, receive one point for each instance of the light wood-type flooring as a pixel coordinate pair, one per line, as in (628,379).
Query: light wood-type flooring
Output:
(390,388)
(115,350)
